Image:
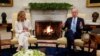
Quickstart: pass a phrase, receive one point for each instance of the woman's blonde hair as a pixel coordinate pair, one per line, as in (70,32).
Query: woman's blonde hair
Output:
(19,14)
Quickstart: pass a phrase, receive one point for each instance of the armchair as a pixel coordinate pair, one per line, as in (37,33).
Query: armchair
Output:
(61,41)
(14,40)
(87,43)
(81,43)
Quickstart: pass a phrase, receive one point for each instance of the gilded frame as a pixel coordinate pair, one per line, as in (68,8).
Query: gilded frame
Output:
(93,3)
(6,3)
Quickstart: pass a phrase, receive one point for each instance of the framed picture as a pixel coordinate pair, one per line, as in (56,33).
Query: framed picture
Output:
(93,3)
(6,3)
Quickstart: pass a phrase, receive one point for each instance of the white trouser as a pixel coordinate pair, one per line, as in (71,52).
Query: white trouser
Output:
(23,40)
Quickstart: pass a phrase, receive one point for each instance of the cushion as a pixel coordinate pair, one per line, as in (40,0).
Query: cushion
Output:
(86,49)
(98,53)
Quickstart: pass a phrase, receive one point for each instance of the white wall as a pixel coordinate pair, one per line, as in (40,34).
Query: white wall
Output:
(52,15)
(20,4)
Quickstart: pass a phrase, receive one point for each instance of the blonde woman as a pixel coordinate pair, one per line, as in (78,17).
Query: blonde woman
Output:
(22,28)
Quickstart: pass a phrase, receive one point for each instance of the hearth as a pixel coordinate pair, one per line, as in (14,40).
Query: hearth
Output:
(48,29)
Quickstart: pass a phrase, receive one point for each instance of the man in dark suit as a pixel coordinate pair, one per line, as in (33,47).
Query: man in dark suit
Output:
(74,27)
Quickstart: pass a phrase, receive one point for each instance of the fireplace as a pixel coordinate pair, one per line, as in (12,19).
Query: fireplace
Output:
(49,30)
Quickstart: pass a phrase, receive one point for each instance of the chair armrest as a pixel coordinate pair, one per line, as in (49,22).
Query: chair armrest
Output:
(12,33)
(32,32)
(32,39)
(85,37)
(12,29)
(62,40)
(78,42)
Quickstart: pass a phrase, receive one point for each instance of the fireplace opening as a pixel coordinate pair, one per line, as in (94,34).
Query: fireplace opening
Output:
(49,30)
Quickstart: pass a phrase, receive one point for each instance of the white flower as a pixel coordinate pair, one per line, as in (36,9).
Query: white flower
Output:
(29,53)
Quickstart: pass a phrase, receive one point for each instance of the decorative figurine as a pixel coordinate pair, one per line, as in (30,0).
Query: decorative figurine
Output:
(95,16)
(4,15)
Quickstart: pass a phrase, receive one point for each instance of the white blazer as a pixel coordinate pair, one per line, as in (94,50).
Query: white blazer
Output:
(19,26)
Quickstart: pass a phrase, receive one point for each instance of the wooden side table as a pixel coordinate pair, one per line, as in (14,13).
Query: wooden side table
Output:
(93,39)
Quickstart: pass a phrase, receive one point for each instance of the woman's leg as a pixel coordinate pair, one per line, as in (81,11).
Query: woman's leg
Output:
(20,41)
(25,46)
(23,40)
(19,48)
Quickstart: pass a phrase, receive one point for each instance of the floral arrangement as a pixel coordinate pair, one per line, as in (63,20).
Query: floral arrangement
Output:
(29,53)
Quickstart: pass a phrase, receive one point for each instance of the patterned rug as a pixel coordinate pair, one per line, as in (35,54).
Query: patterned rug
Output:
(48,48)
(49,51)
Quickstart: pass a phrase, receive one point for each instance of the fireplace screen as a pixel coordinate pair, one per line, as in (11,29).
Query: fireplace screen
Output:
(48,29)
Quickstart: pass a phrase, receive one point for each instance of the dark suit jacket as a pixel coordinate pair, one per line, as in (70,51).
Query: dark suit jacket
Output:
(78,28)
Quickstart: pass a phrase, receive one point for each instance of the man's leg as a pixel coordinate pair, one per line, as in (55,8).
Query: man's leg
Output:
(70,40)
